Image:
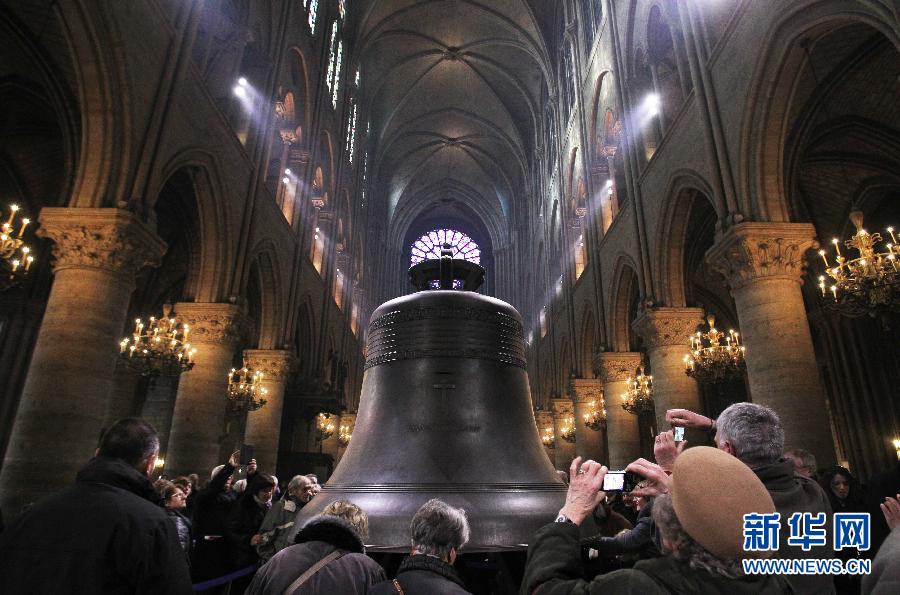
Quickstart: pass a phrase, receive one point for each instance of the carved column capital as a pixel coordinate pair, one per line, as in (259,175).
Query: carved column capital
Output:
(212,322)
(616,366)
(113,240)
(663,327)
(275,364)
(585,390)
(562,408)
(752,251)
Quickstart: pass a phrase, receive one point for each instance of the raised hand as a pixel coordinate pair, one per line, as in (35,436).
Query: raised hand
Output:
(891,510)
(655,483)
(583,496)
(688,419)
(666,450)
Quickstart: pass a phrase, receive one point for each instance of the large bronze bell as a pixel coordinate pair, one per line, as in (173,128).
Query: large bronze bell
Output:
(445,412)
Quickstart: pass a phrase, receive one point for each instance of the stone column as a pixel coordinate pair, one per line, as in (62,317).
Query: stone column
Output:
(666,333)
(123,400)
(588,442)
(66,393)
(622,428)
(264,425)
(544,419)
(564,452)
(348,420)
(764,265)
(159,407)
(199,418)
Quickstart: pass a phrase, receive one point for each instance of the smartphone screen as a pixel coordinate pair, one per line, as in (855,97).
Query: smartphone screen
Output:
(679,433)
(246,453)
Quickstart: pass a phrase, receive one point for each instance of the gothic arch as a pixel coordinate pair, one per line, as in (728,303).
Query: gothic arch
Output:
(215,245)
(625,289)
(304,339)
(684,188)
(763,191)
(298,80)
(588,342)
(267,268)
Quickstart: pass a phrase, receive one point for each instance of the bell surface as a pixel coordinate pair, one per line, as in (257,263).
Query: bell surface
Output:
(445,412)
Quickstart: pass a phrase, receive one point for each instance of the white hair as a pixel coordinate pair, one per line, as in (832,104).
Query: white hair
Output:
(437,528)
(754,432)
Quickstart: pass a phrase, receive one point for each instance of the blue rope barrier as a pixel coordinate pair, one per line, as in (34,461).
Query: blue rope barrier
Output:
(215,582)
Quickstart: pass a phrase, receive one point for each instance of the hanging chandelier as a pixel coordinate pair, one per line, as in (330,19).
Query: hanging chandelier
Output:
(639,396)
(159,348)
(595,418)
(344,435)
(547,438)
(324,427)
(867,283)
(567,430)
(15,257)
(245,390)
(715,356)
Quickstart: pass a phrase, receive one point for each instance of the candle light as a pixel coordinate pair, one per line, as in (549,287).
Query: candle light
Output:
(822,254)
(25,223)
(12,213)
(837,245)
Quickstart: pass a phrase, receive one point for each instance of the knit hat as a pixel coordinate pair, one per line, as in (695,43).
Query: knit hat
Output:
(711,492)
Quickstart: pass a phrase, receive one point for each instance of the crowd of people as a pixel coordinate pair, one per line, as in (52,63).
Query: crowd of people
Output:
(680,530)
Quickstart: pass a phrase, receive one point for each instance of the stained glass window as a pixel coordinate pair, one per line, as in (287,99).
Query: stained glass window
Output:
(313,6)
(351,132)
(335,57)
(429,246)
(337,73)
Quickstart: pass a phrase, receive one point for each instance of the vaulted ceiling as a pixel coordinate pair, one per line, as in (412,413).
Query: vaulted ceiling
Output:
(453,90)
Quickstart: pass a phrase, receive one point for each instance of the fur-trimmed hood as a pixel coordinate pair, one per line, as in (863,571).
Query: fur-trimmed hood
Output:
(332,530)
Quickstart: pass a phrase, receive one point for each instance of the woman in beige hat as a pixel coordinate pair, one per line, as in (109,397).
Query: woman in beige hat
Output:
(699,513)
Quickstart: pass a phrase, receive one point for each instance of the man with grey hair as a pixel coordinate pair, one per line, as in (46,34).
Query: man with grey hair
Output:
(438,532)
(276,530)
(804,462)
(754,435)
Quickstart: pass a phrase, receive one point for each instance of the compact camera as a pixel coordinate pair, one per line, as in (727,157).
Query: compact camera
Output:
(620,481)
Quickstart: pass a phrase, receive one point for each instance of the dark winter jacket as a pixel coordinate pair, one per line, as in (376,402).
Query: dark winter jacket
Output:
(102,535)
(351,574)
(244,521)
(639,540)
(183,527)
(794,493)
(554,568)
(213,504)
(210,558)
(423,575)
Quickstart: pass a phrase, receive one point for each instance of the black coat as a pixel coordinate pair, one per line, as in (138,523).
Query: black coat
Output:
(423,575)
(244,521)
(554,568)
(351,574)
(102,535)
(639,540)
(210,558)
(183,527)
